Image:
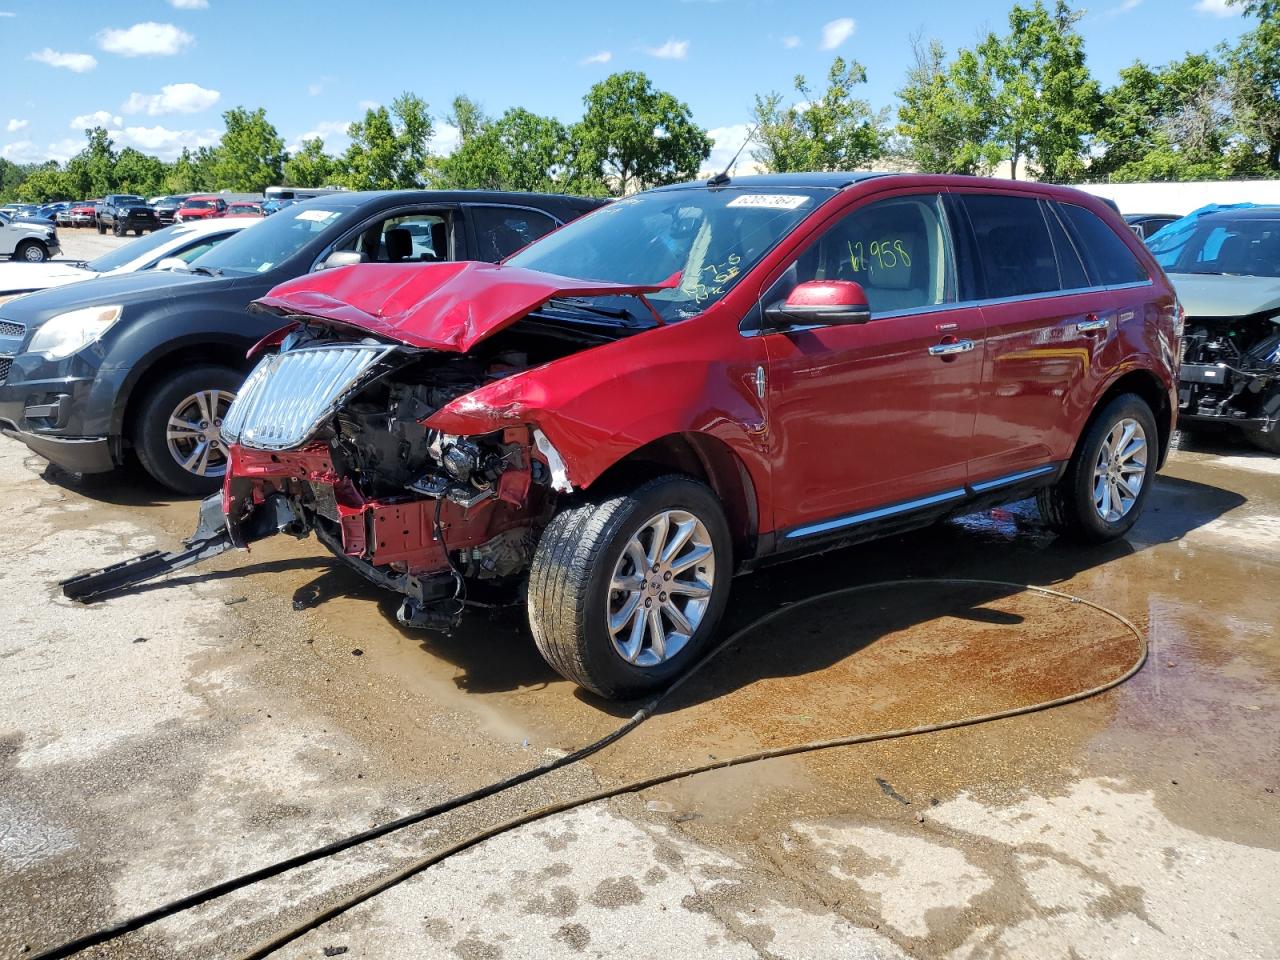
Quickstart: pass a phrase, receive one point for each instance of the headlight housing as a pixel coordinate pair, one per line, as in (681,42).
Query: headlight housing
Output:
(72,331)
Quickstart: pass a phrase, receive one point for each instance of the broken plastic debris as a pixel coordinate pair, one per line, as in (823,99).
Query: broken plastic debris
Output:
(559,475)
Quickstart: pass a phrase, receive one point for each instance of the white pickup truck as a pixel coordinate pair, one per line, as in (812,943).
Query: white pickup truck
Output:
(32,241)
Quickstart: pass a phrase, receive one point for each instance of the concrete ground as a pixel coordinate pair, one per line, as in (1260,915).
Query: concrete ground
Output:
(162,741)
(84,243)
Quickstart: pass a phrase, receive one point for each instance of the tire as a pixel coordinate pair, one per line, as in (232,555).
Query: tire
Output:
(31,251)
(151,428)
(117,230)
(1070,506)
(137,233)
(101,228)
(573,567)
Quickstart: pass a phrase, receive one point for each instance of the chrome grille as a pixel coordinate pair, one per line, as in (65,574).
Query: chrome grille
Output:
(288,395)
(10,329)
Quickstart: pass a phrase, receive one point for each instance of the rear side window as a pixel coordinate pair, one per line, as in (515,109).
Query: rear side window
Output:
(501,231)
(897,249)
(1107,257)
(1016,250)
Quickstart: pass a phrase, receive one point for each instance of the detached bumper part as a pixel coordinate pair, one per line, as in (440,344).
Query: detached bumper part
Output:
(79,454)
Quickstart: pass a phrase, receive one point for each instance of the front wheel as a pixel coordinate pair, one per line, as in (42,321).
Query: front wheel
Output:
(31,251)
(102,228)
(1107,482)
(625,593)
(178,432)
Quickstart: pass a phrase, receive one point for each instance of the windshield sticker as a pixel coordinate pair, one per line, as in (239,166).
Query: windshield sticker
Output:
(770,201)
(320,216)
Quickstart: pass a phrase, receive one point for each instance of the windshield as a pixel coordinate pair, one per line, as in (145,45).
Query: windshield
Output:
(198,204)
(269,243)
(1244,247)
(138,248)
(711,237)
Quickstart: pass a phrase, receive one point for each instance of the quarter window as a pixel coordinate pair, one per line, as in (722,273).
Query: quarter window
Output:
(897,249)
(1109,259)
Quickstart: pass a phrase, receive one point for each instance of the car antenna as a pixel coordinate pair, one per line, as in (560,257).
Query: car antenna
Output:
(721,178)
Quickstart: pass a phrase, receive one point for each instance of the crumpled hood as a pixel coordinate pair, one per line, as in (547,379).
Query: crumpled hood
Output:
(1218,295)
(437,306)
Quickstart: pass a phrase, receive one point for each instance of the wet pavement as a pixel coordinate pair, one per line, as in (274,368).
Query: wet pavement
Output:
(202,726)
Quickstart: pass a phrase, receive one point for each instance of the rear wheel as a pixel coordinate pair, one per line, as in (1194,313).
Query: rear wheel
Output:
(178,433)
(102,228)
(1107,482)
(625,593)
(31,251)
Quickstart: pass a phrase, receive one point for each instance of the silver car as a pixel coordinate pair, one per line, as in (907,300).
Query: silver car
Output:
(32,241)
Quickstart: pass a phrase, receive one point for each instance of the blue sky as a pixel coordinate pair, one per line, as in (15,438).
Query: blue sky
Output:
(158,73)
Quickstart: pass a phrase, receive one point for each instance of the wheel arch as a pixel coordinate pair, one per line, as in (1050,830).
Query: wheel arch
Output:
(159,364)
(1147,385)
(704,458)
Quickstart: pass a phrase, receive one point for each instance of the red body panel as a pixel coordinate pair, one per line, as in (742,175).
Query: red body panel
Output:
(851,417)
(441,306)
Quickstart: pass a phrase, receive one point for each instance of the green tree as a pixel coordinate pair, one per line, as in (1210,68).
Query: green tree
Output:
(11,177)
(940,126)
(634,136)
(1252,72)
(91,172)
(387,153)
(251,154)
(467,116)
(182,175)
(1039,97)
(44,183)
(310,166)
(518,151)
(140,173)
(837,131)
(1165,123)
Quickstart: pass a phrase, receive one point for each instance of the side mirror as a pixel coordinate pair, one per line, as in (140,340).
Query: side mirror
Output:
(821,303)
(176,264)
(342,258)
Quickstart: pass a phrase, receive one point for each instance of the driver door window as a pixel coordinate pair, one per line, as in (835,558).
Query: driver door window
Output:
(405,238)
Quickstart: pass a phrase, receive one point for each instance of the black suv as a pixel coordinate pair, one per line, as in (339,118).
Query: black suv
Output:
(167,207)
(122,212)
(152,360)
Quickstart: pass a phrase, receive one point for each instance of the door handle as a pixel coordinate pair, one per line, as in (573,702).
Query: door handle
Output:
(947,349)
(1092,323)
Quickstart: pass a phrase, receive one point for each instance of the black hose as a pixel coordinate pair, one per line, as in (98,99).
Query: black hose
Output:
(113,931)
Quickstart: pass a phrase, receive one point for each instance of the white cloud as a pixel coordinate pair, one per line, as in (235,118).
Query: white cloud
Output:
(837,32)
(445,139)
(14,125)
(99,118)
(7,13)
(368,104)
(148,39)
(64,150)
(22,151)
(75,62)
(1217,8)
(727,141)
(315,89)
(167,143)
(671,50)
(190,4)
(791,42)
(604,56)
(172,98)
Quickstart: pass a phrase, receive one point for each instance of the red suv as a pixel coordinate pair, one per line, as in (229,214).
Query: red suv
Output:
(690,381)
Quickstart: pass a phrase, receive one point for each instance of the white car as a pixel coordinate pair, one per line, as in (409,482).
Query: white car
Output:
(185,241)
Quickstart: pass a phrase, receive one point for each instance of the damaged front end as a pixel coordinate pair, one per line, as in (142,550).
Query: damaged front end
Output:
(1230,372)
(331,435)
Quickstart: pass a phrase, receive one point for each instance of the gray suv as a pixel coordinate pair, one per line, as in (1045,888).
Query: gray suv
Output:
(33,241)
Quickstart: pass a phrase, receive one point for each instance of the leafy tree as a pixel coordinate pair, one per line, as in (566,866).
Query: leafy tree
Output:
(387,154)
(634,136)
(182,176)
(518,151)
(310,166)
(11,177)
(468,116)
(91,172)
(251,154)
(837,131)
(1253,87)
(1039,96)
(1165,123)
(939,125)
(43,184)
(138,172)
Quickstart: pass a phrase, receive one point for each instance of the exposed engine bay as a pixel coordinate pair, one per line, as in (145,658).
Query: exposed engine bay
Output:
(409,507)
(1231,371)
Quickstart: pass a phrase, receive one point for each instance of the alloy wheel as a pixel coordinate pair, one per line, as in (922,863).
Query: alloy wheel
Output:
(661,588)
(194,433)
(34,253)
(1120,471)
